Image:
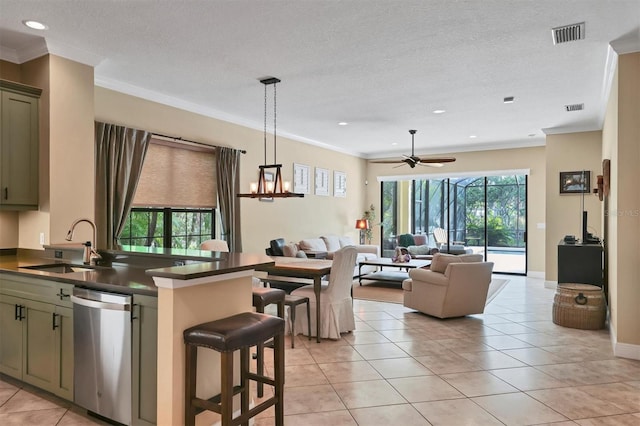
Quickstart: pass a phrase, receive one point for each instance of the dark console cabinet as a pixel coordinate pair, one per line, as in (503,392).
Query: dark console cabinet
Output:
(580,263)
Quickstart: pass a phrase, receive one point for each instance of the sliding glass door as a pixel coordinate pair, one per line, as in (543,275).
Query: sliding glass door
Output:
(480,214)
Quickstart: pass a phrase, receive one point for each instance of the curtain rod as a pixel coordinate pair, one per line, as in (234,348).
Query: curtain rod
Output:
(179,139)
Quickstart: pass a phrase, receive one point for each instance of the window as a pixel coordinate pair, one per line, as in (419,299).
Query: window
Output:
(175,202)
(168,227)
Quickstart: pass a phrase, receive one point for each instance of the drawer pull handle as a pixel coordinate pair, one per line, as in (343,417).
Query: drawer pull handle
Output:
(62,295)
(6,193)
(53,321)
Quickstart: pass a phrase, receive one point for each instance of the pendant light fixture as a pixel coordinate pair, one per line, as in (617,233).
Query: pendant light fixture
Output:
(276,188)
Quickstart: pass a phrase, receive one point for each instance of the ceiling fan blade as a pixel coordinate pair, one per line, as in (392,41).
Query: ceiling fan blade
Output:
(399,165)
(387,161)
(438,160)
(431,164)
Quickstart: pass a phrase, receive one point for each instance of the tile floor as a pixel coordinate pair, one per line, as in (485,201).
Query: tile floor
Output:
(509,366)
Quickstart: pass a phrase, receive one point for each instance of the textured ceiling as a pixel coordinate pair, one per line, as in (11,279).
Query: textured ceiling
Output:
(382,66)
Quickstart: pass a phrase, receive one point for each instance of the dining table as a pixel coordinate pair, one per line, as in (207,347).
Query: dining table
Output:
(312,269)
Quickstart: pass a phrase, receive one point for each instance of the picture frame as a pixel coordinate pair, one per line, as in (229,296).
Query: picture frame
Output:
(339,184)
(301,178)
(575,182)
(322,181)
(268,177)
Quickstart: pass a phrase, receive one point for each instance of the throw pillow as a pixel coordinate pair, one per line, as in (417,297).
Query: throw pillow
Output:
(332,242)
(419,250)
(440,261)
(312,244)
(406,240)
(290,250)
(346,241)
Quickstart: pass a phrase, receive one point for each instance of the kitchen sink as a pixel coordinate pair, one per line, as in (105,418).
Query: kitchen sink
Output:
(60,268)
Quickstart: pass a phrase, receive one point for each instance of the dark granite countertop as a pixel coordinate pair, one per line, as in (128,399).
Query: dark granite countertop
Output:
(131,271)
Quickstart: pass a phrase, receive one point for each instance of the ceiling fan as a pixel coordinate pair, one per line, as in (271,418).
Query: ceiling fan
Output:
(412,159)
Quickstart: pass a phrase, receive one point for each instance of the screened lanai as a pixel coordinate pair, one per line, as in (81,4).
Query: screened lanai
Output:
(484,214)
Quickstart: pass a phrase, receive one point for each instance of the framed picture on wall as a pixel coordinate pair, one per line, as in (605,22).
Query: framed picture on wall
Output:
(322,181)
(339,184)
(301,181)
(577,182)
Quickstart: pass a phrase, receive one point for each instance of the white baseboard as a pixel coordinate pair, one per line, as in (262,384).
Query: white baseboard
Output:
(535,274)
(550,284)
(623,350)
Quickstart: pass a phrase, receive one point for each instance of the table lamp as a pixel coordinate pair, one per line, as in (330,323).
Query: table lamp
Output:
(362,225)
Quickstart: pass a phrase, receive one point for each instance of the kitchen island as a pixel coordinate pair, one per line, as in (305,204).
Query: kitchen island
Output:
(204,287)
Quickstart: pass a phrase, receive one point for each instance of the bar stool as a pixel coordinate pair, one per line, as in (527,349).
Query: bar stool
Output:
(292,302)
(227,335)
(261,298)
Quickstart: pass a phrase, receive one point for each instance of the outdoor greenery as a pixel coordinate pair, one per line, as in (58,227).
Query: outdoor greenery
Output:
(167,227)
(463,200)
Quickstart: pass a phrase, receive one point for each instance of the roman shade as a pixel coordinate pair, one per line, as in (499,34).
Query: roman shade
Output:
(177,175)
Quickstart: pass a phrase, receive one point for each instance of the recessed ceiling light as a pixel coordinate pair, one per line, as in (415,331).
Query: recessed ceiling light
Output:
(439,111)
(531,135)
(35,25)
(394,143)
(508,100)
(472,137)
(342,123)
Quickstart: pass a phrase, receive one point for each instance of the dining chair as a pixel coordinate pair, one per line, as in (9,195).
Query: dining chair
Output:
(336,304)
(215,245)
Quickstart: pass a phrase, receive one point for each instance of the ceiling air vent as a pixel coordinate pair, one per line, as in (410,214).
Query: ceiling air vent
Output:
(568,33)
(574,107)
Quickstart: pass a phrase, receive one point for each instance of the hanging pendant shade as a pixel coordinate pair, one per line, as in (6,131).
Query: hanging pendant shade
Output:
(264,188)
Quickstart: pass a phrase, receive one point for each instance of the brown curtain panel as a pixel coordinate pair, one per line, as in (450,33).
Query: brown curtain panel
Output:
(228,174)
(120,152)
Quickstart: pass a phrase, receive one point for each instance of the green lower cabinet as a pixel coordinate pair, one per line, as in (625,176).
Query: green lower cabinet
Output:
(36,344)
(145,360)
(10,336)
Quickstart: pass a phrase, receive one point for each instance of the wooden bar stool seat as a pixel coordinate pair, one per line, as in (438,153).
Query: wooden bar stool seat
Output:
(227,335)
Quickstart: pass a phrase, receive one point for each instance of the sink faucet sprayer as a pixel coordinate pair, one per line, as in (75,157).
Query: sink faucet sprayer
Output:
(90,255)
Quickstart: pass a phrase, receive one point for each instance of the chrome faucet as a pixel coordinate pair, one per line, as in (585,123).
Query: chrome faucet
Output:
(90,255)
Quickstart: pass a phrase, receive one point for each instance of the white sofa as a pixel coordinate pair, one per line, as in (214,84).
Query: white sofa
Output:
(333,243)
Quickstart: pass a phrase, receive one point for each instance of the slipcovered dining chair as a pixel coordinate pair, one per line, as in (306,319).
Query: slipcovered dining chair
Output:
(336,304)
(214,245)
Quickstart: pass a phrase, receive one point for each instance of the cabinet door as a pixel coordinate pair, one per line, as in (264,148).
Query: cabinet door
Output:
(10,337)
(39,367)
(63,385)
(19,151)
(145,360)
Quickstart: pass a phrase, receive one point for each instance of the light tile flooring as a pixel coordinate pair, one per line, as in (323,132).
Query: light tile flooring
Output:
(509,366)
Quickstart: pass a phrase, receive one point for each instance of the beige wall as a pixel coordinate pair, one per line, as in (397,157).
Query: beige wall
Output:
(624,208)
(564,153)
(292,219)
(486,161)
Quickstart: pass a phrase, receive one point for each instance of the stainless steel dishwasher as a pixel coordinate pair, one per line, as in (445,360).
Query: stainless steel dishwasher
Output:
(102,353)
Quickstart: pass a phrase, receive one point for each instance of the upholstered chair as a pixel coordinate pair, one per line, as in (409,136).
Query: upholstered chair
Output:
(336,305)
(215,245)
(454,286)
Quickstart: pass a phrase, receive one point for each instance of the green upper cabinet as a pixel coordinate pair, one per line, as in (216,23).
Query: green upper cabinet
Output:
(19,146)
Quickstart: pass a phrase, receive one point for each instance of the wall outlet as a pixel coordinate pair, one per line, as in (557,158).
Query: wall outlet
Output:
(42,238)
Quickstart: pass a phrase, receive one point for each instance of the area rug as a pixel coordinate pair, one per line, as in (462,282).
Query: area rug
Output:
(391,292)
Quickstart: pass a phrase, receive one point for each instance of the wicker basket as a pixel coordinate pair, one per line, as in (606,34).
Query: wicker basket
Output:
(579,306)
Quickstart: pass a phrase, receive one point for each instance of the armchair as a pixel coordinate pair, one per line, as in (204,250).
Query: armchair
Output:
(454,286)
